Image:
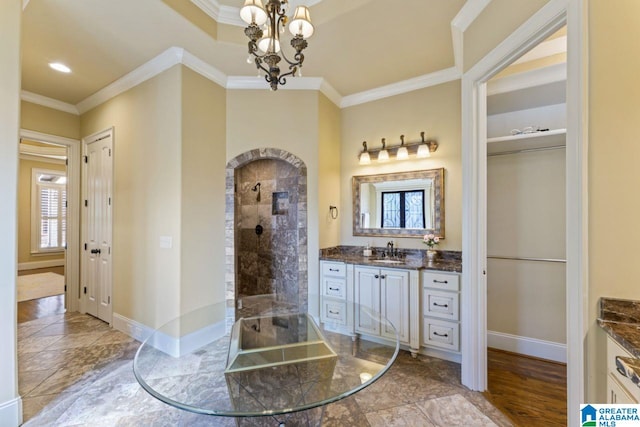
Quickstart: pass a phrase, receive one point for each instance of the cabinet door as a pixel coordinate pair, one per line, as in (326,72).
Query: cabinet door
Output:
(367,297)
(617,394)
(394,289)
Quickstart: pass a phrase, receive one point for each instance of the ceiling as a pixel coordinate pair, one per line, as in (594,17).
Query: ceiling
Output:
(358,45)
(360,49)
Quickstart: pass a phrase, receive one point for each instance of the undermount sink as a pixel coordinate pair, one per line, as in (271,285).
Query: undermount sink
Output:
(388,261)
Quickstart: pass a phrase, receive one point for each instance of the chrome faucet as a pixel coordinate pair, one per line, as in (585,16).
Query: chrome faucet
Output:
(390,248)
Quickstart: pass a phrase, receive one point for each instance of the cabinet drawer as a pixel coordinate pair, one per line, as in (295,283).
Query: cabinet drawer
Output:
(440,304)
(334,287)
(449,282)
(335,269)
(334,312)
(439,333)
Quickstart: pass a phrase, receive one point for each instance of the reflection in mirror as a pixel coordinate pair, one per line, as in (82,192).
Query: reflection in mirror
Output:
(405,204)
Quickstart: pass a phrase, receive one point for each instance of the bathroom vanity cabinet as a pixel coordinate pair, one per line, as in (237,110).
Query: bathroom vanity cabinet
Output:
(422,305)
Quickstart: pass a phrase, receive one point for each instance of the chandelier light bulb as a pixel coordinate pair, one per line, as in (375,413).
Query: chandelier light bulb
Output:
(249,59)
(301,23)
(253,11)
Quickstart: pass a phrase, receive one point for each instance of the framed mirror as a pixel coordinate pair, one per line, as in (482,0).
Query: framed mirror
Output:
(403,204)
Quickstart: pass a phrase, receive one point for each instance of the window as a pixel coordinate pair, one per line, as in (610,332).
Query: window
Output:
(48,211)
(403,209)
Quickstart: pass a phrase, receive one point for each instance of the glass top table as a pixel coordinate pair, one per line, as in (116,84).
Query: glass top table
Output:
(278,361)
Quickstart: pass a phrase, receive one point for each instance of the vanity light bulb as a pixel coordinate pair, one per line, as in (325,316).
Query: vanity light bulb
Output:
(365,159)
(383,156)
(402,153)
(423,151)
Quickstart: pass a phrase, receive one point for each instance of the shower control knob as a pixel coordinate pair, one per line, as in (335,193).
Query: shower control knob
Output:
(259,229)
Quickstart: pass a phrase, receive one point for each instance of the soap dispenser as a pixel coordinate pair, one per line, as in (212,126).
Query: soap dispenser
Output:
(367,251)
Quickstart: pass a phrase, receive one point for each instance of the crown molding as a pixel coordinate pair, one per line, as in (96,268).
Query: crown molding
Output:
(152,68)
(222,14)
(416,83)
(203,68)
(459,24)
(537,77)
(469,12)
(34,98)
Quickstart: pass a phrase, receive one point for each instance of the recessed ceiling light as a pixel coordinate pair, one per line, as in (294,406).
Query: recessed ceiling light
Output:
(60,67)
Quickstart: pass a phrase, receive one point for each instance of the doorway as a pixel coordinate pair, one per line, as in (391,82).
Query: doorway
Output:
(474,88)
(97,217)
(42,226)
(51,153)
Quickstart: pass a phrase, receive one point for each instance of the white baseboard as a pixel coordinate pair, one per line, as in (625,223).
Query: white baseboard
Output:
(173,346)
(11,413)
(528,346)
(40,264)
(130,327)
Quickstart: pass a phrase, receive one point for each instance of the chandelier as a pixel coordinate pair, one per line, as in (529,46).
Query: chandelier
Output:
(265,25)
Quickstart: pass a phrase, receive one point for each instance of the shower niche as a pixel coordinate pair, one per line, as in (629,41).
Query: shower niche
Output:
(269,232)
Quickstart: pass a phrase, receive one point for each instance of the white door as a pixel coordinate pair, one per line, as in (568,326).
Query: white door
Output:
(394,290)
(97,216)
(367,298)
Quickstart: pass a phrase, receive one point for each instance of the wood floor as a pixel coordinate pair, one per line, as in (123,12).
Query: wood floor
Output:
(34,309)
(529,391)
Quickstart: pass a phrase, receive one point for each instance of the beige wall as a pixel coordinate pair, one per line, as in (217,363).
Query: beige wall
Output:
(203,192)
(329,172)
(288,120)
(495,23)
(147,195)
(614,152)
(435,110)
(526,218)
(24,210)
(10,12)
(47,120)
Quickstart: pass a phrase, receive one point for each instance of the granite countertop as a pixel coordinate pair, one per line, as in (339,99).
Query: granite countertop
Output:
(621,320)
(412,259)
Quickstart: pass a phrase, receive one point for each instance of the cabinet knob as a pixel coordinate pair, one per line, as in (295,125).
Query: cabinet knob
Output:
(334,269)
(440,335)
(440,305)
(376,276)
(440,281)
(383,276)
(333,289)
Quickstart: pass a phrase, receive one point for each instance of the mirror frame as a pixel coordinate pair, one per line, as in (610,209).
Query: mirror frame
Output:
(438,180)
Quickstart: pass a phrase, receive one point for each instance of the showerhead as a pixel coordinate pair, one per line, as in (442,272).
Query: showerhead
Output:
(256,187)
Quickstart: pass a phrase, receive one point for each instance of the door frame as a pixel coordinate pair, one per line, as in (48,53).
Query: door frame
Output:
(72,254)
(85,141)
(474,165)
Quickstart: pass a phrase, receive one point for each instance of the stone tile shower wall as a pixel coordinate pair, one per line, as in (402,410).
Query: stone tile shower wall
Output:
(267,263)
(274,262)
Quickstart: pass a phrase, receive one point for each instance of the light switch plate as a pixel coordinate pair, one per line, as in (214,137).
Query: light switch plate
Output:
(166,242)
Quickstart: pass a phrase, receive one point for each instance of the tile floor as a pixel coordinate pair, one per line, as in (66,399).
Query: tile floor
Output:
(76,371)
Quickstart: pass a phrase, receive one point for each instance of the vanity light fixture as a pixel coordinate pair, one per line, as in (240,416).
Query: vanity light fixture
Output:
(383,155)
(402,153)
(406,150)
(272,20)
(364,156)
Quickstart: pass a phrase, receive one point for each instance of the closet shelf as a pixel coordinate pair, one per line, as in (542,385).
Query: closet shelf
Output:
(527,141)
